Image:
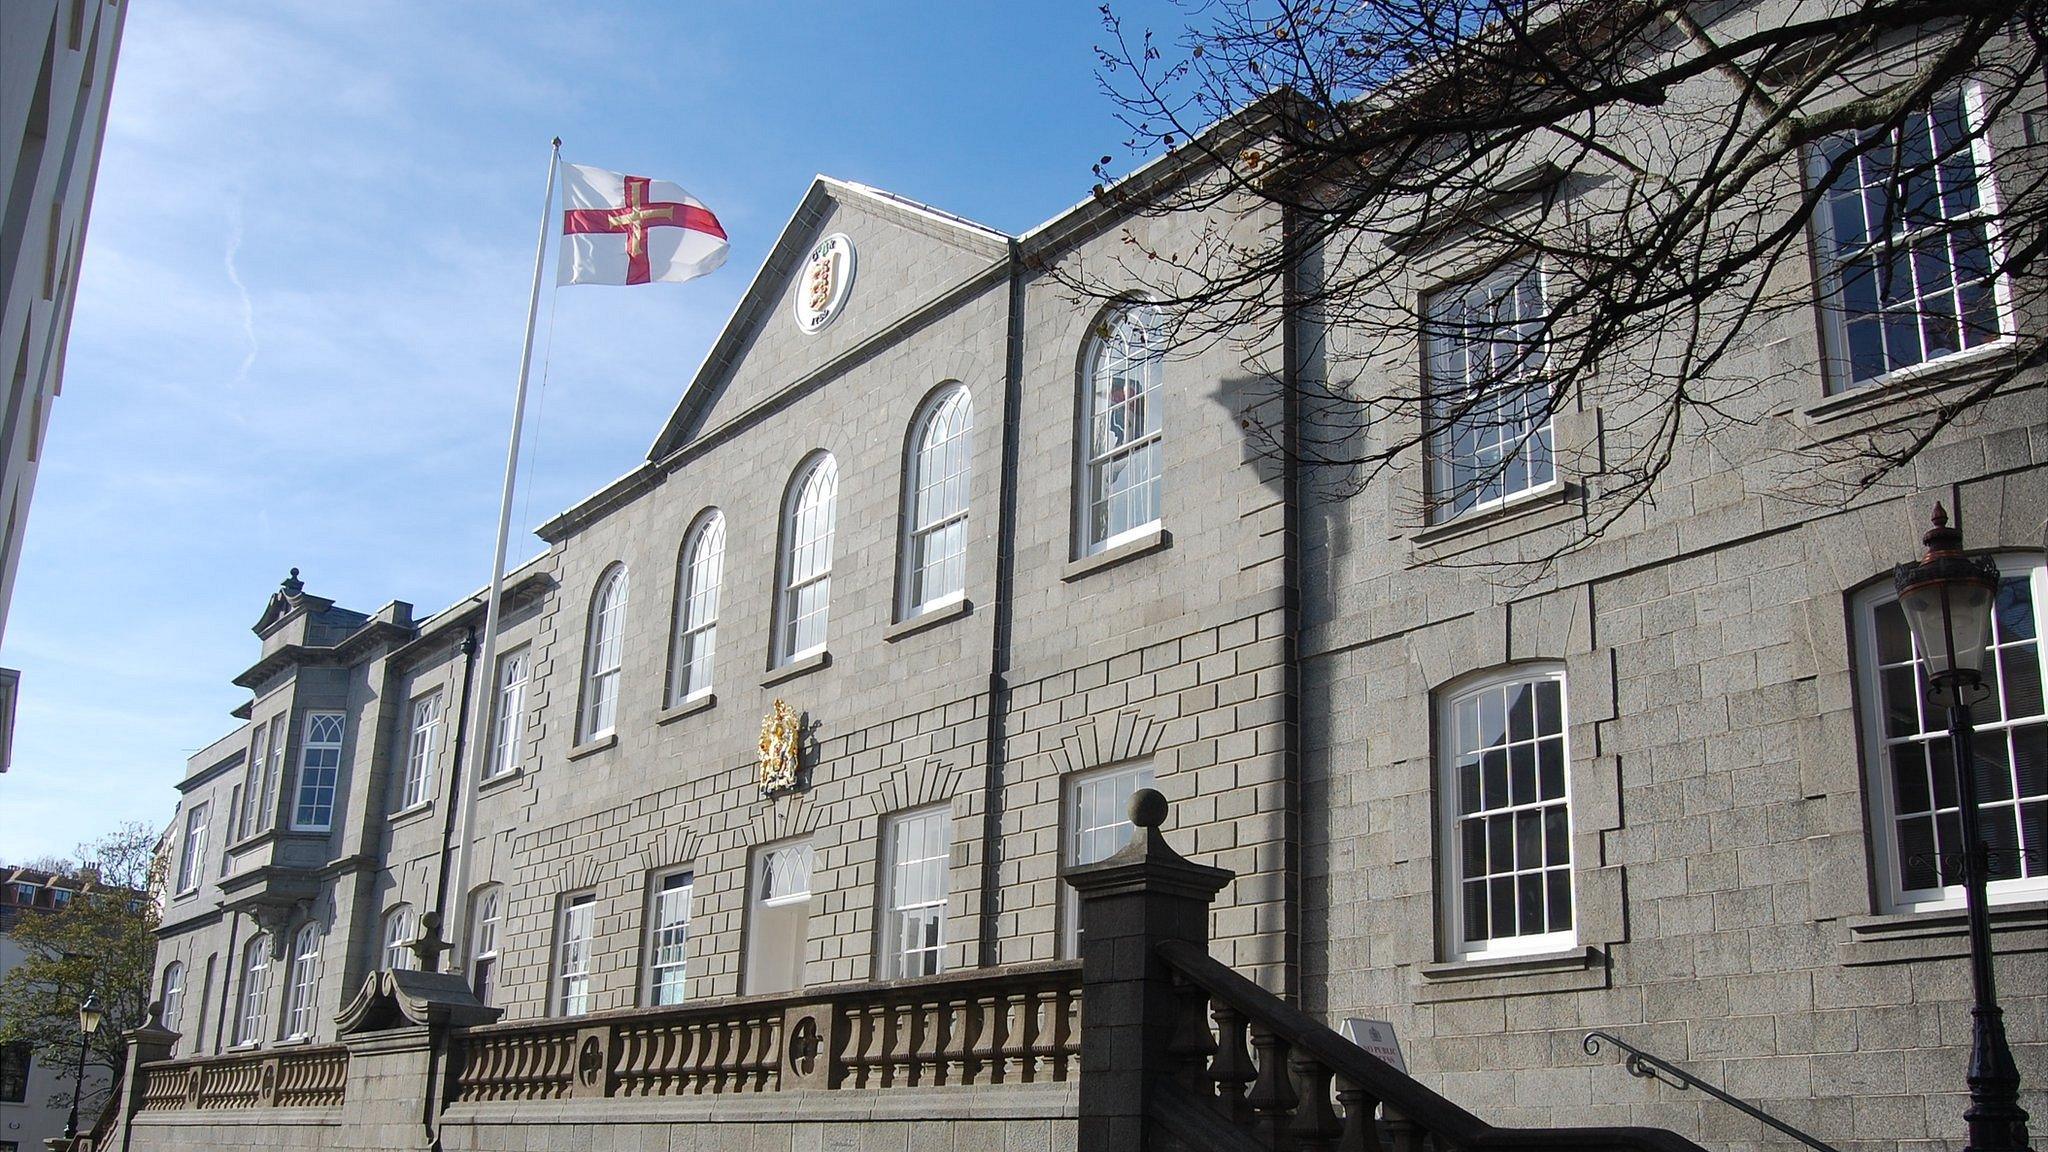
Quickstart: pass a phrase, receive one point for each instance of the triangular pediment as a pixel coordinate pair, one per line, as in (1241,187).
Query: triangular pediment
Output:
(904,256)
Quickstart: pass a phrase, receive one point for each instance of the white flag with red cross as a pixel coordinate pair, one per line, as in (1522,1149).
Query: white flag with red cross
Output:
(620,229)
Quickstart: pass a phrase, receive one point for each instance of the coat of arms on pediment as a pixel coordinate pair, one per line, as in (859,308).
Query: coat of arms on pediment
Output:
(826,277)
(781,763)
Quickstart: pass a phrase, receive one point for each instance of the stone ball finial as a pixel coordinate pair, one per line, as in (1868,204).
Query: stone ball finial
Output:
(1148,808)
(156,1013)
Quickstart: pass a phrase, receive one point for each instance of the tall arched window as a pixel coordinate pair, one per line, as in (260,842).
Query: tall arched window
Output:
(304,975)
(487,913)
(604,653)
(398,936)
(1120,446)
(255,1003)
(807,520)
(173,998)
(935,499)
(698,571)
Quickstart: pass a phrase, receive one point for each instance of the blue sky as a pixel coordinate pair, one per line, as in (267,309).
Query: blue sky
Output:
(300,308)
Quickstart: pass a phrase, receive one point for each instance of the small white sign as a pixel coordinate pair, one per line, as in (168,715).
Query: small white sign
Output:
(1376,1037)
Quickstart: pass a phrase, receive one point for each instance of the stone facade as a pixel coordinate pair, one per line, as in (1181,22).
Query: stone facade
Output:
(1282,663)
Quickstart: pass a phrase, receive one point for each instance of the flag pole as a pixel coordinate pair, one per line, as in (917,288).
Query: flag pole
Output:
(456,898)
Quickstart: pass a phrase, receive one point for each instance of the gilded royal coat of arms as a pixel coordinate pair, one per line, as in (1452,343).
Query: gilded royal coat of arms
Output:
(781,733)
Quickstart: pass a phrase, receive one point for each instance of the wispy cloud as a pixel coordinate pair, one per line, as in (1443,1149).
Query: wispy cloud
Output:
(241,290)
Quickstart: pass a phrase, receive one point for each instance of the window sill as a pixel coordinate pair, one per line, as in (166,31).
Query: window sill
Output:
(690,707)
(408,815)
(293,1042)
(503,778)
(1565,970)
(1155,540)
(1941,934)
(798,667)
(929,618)
(252,841)
(1906,384)
(594,745)
(1506,511)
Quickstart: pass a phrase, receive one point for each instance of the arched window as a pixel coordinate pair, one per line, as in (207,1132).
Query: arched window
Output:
(398,935)
(173,998)
(487,912)
(1504,790)
(1120,446)
(698,571)
(304,987)
(807,520)
(255,1004)
(1917,818)
(604,653)
(935,499)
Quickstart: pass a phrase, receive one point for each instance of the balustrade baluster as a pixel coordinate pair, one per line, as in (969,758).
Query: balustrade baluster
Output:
(1272,1096)
(1404,1134)
(1192,1044)
(1232,1067)
(1315,1127)
(1066,1029)
(1361,1129)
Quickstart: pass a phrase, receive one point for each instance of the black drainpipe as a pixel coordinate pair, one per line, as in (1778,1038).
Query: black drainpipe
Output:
(999,648)
(455,776)
(229,964)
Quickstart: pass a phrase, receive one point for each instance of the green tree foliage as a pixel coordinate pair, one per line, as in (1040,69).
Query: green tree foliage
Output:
(102,943)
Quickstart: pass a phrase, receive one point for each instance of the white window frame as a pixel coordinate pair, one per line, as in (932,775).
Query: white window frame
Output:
(916,886)
(508,712)
(1081,817)
(1840,370)
(773,881)
(1877,745)
(254,1004)
(1096,456)
(1533,443)
(192,856)
(310,813)
(1450,867)
(486,926)
(937,474)
(700,575)
(810,511)
(172,998)
(252,782)
(398,932)
(669,895)
(575,938)
(422,748)
(303,983)
(604,655)
(273,771)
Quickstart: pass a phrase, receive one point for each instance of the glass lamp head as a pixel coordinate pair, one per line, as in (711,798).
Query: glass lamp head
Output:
(1947,599)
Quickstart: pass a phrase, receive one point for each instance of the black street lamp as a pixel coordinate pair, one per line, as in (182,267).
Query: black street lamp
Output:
(88,1023)
(1947,598)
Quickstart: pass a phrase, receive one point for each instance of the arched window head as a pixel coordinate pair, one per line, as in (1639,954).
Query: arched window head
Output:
(1120,445)
(935,502)
(699,569)
(807,521)
(604,653)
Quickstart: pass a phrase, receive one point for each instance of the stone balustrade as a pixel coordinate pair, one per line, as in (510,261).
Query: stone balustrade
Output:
(298,1078)
(1007,1026)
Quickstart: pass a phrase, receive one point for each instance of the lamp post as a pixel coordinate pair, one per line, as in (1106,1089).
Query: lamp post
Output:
(1947,599)
(88,1023)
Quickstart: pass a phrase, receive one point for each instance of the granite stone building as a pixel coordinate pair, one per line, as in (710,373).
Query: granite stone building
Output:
(1008,557)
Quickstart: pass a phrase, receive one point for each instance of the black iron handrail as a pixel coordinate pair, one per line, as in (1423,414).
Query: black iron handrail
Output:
(1641,1064)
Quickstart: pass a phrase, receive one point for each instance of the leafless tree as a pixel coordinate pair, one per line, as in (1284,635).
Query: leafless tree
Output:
(1638,196)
